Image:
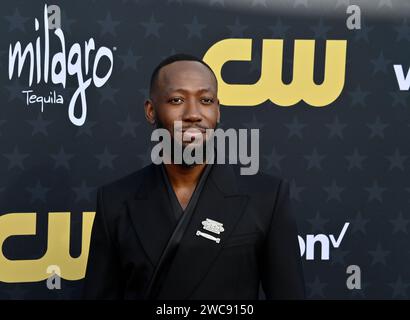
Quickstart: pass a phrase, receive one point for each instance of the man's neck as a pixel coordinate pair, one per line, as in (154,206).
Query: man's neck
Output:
(183,176)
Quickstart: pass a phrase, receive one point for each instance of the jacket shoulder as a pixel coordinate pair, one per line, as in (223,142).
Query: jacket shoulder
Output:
(261,182)
(119,190)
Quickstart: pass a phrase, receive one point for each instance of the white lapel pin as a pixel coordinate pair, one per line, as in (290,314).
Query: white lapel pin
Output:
(208,236)
(212,226)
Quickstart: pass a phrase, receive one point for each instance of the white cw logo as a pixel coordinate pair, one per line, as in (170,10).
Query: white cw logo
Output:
(308,246)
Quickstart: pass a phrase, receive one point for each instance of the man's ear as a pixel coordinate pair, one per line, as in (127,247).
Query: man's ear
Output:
(149,111)
(219,113)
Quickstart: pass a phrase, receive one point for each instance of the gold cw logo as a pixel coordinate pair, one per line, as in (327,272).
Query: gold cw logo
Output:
(270,85)
(58,246)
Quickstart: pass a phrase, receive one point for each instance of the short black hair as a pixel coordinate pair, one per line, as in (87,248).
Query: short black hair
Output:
(173,58)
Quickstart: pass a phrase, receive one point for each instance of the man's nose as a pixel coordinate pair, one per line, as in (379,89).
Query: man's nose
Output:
(192,112)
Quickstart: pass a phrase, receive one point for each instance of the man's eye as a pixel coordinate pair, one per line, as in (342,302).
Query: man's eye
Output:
(175,100)
(208,100)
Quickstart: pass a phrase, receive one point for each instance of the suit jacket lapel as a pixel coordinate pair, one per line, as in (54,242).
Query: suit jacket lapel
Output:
(151,214)
(220,201)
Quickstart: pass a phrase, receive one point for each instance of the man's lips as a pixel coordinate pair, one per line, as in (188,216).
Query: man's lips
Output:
(191,133)
(194,130)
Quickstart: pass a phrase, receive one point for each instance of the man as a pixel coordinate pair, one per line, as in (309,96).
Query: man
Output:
(200,231)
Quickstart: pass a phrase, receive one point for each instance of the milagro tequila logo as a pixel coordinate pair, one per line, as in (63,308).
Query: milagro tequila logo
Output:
(59,68)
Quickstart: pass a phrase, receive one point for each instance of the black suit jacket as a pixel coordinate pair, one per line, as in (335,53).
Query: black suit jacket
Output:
(134,222)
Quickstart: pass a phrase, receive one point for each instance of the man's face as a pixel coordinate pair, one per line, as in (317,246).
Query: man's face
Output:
(186,91)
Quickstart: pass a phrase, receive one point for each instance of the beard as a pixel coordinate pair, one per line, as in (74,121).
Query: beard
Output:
(203,147)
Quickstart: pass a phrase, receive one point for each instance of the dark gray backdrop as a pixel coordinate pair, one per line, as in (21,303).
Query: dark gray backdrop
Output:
(347,162)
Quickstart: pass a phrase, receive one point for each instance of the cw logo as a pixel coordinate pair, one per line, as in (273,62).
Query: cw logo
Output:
(270,85)
(58,244)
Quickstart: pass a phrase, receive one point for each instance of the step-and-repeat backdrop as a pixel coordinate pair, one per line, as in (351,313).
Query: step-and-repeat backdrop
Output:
(325,82)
